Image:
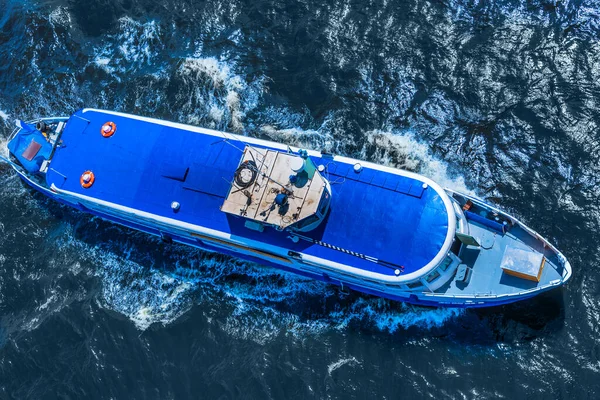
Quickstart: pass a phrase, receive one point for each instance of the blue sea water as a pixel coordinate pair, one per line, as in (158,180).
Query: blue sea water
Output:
(498,98)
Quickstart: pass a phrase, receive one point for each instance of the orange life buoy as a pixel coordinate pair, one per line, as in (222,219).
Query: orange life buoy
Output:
(108,129)
(87,179)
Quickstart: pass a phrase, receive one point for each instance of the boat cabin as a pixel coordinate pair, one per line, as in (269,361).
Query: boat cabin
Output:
(278,189)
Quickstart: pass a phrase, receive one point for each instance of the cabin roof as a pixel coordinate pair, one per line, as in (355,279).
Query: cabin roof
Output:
(147,164)
(268,175)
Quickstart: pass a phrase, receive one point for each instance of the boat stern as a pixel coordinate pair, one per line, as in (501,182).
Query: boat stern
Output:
(32,144)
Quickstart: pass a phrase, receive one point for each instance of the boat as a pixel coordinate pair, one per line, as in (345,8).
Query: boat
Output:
(364,227)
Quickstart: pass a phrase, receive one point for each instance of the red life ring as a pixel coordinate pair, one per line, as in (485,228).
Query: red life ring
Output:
(87,179)
(108,129)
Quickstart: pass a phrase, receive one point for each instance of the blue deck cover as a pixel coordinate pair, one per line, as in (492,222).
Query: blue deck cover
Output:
(147,165)
(19,144)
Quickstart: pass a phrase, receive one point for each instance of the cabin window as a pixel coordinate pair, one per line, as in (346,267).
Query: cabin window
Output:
(324,202)
(432,276)
(306,222)
(414,285)
(446,263)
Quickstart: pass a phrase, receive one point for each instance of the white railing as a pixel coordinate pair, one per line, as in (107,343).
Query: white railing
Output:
(566,265)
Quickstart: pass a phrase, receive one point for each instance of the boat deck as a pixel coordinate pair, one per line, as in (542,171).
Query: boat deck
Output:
(147,164)
(487,276)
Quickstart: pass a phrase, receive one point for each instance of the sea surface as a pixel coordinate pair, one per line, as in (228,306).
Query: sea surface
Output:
(498,98)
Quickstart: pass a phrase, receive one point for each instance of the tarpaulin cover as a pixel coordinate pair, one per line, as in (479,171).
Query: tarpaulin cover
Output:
(147,165)
(24,148)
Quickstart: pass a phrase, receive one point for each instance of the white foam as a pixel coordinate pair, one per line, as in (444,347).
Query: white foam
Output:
(414,316)
(391,316)
(105,64)
(48,301)
(145,295)
(3,148)
(403,150)
(140,42)
(198,68)
(134,46)
(253,308)
(32,319)
(298,137)
(233,104)
(60,16)
(341,362)
(216,113)
(285,126)
(102,61)
(214,90)
(255,318)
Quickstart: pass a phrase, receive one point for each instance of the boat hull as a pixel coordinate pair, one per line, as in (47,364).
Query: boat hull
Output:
(421,299)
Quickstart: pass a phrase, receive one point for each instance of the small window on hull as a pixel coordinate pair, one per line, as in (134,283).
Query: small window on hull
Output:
(414,285)
(306,222)
(432,277)
(446,263)
(324,202)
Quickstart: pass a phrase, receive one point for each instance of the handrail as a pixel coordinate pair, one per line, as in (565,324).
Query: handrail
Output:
(566,265)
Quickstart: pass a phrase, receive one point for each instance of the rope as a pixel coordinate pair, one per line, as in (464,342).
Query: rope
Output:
(352,253)
(248,166)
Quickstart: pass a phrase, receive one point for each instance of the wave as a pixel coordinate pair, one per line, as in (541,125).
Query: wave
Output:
(60,16)
(4,116)
(403,150)
(134,46)
(139,42)
(398,149)
(285,126)
(152,285)
(351,361)
(210,92)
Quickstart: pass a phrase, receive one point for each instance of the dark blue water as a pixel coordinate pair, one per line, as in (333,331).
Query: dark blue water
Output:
(501,98)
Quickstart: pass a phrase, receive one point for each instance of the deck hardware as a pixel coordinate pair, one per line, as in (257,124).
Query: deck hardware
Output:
(326,154)
(294,239)
(108,129)
(87,179)
(297,164)
(246,174)
(463,273)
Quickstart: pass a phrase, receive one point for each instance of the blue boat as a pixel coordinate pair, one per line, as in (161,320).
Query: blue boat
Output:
(362,226)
